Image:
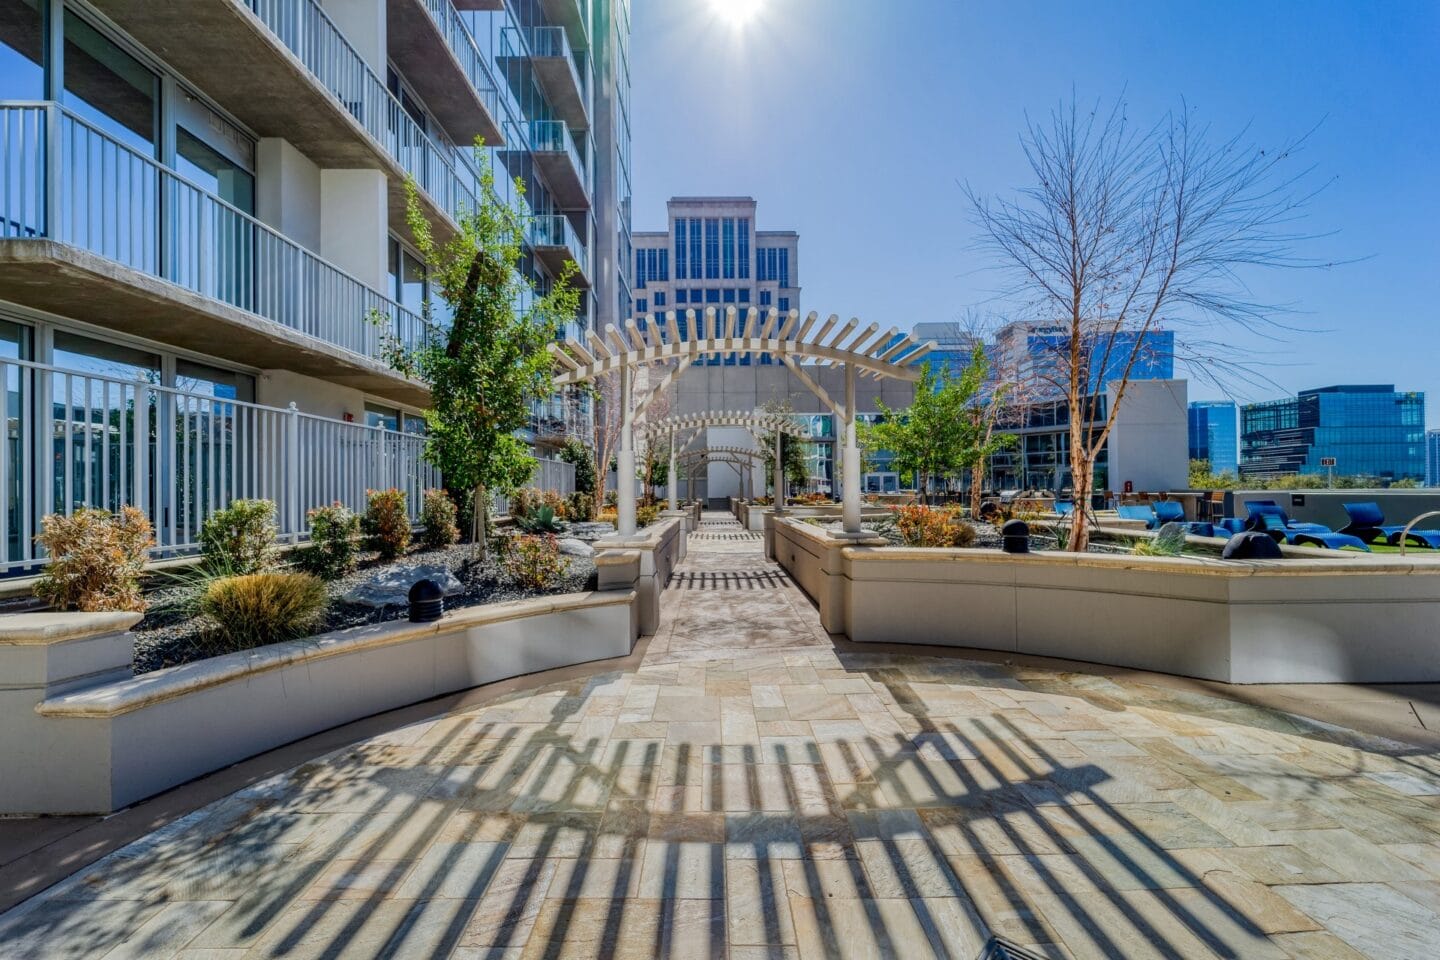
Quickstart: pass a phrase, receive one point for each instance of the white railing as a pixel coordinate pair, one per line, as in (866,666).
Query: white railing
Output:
(309,33)
(555,475)
(67,180)
(75,439)
(460,41)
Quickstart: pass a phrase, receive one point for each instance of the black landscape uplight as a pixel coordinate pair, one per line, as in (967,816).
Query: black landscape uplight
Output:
(427,601)
(1015,537)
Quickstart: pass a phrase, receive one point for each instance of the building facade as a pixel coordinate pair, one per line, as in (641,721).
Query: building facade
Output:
(712,255)
(1432,458)
(1215,435)
(1369,430)
(204,250)
(1038,355)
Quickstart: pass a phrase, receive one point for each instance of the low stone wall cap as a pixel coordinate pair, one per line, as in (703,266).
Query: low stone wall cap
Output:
(32,629)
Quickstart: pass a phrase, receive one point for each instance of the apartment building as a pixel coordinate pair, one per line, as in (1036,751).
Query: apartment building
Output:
(203,243)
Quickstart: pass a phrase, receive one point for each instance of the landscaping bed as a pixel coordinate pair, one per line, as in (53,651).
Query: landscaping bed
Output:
(170,634)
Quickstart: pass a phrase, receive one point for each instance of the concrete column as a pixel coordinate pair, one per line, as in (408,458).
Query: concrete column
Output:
(355,224)
(673,475)
(851,462)
(625,459)
(287,191)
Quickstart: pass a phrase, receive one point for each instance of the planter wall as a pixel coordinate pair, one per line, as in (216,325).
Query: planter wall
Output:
(659,547)
(79,735)
(1321,620)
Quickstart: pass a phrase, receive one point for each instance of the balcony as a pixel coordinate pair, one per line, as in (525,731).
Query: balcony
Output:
(555,66)
(438,56)
(573,15)
(91,228)
(285,70)
(557,158)
(556,243)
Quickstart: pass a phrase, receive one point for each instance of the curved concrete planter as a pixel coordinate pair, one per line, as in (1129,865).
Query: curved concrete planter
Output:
(79,735)
(1320,620)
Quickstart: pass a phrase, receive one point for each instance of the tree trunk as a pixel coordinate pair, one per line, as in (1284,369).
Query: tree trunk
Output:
(478,523)
(977,482)
(1081,472)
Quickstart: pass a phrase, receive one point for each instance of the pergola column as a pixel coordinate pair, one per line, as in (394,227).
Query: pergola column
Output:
(850,464)
(673,476)
(779,476)
(625,459)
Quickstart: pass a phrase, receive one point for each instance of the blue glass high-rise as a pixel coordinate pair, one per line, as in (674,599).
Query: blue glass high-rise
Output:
(1370,430)
(1215,435)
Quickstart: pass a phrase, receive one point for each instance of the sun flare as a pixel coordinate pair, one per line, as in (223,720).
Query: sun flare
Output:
(737,13)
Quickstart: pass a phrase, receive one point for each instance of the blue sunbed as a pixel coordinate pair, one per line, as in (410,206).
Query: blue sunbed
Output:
(1064,507)
(1269,518)
(1137,511)
(1368,523)
(1168,511)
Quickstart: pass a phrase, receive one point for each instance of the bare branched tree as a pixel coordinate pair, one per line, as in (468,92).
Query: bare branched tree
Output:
(1128,232)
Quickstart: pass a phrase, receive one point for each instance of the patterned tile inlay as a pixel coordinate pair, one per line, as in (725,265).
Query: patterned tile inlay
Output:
(748,792)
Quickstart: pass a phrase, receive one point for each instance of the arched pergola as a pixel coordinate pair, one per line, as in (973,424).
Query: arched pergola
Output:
(758,423)
(795,343)
(741,458)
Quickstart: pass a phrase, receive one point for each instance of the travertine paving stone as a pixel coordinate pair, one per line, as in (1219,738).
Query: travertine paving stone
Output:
(749,791)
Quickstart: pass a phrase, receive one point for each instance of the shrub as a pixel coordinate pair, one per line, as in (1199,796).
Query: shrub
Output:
(555,501)
(334,542)
(240,538)
(387,522)
(437,520)
(535,562)
(644,516)
(580,507)
(922,526)
(1169,541)
(540,519)
(523,501)
(95,560)
(609,515)
(260,608)
(577,453)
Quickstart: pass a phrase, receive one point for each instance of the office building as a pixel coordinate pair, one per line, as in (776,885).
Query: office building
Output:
(1432,458)
(1038,355)
(1368,430)
(714,255)
(1215,435)
(954,345)
(203,244)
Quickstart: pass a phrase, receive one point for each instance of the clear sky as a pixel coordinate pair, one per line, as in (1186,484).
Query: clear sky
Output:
(854,121)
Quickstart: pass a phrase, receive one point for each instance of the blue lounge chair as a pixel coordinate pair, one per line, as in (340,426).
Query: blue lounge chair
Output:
(1064,507)
(1137,511)
(1168,511)
(1199,528)
(1269,518)
(1368,523)
(1230,525)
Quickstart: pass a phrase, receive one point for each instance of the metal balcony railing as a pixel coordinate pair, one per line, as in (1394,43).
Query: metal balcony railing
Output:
(308,32)
(555,230)
(76,439)
(66,180)
(547,42)
(553,136)
(467,51)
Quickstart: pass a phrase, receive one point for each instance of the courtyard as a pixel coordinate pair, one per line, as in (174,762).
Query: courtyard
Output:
(746,786)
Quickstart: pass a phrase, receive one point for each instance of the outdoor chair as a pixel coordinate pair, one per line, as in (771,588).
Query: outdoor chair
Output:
(1064,507)
(1269,518)
(1368,523)
(1168,511)
(1231,525)
(1137,511)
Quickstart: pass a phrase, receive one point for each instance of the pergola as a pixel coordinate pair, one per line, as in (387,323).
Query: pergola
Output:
(663,340)
(739,458)
(757,423)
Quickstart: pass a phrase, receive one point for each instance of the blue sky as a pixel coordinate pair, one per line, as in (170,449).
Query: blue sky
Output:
(853,122)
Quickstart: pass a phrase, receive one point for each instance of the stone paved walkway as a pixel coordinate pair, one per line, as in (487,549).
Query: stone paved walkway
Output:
(751,792)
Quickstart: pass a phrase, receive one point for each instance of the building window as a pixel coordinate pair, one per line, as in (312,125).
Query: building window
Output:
(744,248)
(694,295)
(640,269)
(784,266)
(659,298)
(784,304)
(728,240)
(695,248)
(745,296)
(764,298)
(664,265)
(680,296)
(22,74)
(379,416)
(712,248)
(712,296)
(641,305)
(730,296)
(680,258)
(108,87)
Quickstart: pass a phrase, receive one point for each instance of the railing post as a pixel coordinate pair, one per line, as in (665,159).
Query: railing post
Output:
(53,173)
(141,459)
(292,471)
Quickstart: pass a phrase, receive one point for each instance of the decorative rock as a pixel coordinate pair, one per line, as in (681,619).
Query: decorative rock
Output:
(590,531)
(391,587)
(575,548)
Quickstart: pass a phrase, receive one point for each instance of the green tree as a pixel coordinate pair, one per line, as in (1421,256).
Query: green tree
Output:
(938,434)
(1203,478)
(486,370)
(577,453)
(793,451)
